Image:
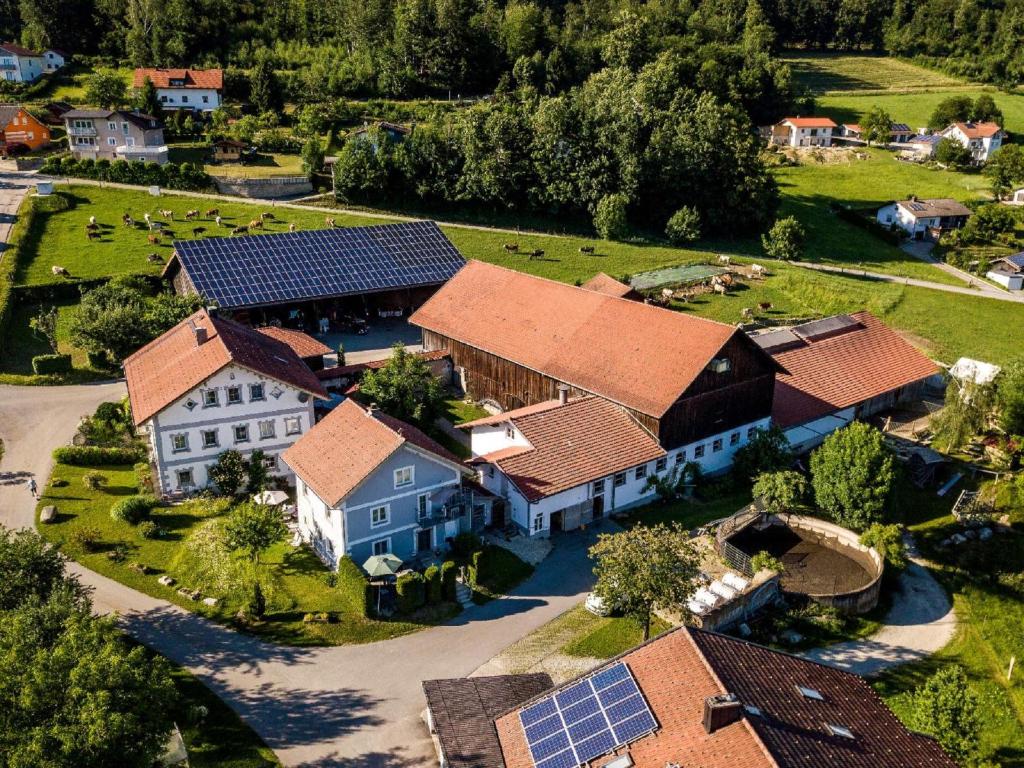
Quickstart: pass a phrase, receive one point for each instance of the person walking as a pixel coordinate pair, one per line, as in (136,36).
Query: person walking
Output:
(32,487)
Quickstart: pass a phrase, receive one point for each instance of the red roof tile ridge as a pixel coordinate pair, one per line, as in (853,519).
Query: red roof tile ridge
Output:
(515,413)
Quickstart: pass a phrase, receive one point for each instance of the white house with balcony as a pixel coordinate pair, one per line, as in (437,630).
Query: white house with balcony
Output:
(980,139)
(198,90)
(19,64)
(803,132)
(210,385)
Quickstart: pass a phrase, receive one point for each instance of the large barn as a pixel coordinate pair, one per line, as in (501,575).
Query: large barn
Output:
(386,270)
(514,338)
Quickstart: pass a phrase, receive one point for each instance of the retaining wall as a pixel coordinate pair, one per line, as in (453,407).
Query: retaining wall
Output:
(266,189)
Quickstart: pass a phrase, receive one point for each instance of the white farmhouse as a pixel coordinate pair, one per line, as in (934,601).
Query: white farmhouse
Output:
(19,64)
(210,384)
(982,139)
(804,132)
(924,219)
(199,90)
(53,59)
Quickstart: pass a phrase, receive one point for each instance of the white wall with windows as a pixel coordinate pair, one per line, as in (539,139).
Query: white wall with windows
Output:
(234,409)
(201,99)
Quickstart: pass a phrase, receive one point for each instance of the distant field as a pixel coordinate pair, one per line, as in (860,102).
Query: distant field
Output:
(825,73)
(915,108)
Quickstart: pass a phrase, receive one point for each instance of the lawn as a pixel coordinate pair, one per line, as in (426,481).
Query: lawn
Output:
(26,343)
(297,578)
(612,635)
(263,165)
(458,410)
(824,72)
(689,513)
(915,108)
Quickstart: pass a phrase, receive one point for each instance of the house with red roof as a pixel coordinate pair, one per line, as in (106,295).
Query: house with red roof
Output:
(20,64)
(198,90)
(210,384)
(687,698)
(980,139)
(804,132)
(367,484)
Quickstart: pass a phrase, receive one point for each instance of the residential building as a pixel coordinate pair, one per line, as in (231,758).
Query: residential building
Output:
(1008,271)
(982,139)
(20,129)
(687,698)
(838,369)
(803,132)
(924,219)
(687,381)
(199,90)
(369,484)
(608,285)
(53,59)
(104,134)
(311,351)
(209,385)
(899,133)
(19,64)
(921,146)
(563,463)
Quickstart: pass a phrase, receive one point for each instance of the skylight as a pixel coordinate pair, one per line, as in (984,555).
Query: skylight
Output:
(752,710)
(840,730)
(810,693)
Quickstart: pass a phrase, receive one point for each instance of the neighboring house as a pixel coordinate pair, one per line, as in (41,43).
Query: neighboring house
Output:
(1018,197)
(393,131)
(228,150)
(311,351)
(103,134)
(53,59)
(19,128)
(210,384)
(850,131)
(899,133)
(686,698)
(922,146)
(924,219)
(608,285)
(803,132)
(839,369)
(1008,271)
(515,338)
(982,139)
(563,463)
(195,89)
(368,484)
(19,64)
(54,111)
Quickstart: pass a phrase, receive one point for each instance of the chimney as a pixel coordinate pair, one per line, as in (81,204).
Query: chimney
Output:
(199,332)
(563,394)
(720,711)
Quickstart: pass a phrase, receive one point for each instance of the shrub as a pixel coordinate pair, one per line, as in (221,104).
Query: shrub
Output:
(448,573)
(44,364)
(610,218)
(353,586)
(229,472)
(94,480)
(781,491)
(98,359)
(410,588)
(132,509)
(767,451)
(144,477)
(766,561)
(432,577)
(477,570)
(148,529)
(86,539)
(785,240)
(887,540)
(684,226)
(94,456)
(465,544)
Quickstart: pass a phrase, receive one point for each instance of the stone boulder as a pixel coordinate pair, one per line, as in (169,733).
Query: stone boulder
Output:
(49,514)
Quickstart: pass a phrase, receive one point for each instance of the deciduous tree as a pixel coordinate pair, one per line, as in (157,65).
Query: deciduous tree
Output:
(781,491)
(106,89)
(877,126)
(945,707)
(254,528)
(404,387)
(853,474)
(785,240)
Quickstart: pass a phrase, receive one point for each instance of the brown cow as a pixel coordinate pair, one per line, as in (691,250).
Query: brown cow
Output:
(154,239)
(210,212)
(243,230)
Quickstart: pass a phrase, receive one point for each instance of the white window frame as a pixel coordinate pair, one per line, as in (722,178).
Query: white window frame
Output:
(411,470)
(640,472)
(292,425)
(661,464)
(597,487)
(422,506)
(538,523)
(111,141)
(681,457)
(216,437)
(216,398)
(385,520)
(191,478)
(234,394)
(510,432)
(270,433)
(698,451)
(387,546)
(270,461)
(619,479)
(717,444)
(174,444)
(234,433)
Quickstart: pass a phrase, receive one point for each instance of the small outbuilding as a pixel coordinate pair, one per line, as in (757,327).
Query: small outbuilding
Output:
(1008,271)
(228,150)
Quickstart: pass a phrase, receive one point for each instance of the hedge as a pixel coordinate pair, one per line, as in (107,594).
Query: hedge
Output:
(43,364)
(448,572)
(171,175)
(432,577)
(132,509)
(94,456)
(353,587)
(861,220)
(411,593)
(476,571)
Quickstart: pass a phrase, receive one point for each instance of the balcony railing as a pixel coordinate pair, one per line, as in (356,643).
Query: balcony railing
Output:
(140,149)
(82,131)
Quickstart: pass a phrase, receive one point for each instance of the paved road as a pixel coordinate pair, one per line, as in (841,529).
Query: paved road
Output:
(349,706)
(13,187)
(922,249)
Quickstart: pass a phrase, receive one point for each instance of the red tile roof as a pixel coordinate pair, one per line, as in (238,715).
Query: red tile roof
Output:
(347,445)
(573,444)
(640,356)
(19,50)
(979,130)
(174,363)
(679,670)
(303,344)
(348,370)
(810,122)
(835,372)
(193,78)
(607,285)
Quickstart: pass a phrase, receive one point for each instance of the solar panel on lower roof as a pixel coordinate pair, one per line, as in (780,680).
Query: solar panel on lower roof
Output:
(297,266)
(587,719)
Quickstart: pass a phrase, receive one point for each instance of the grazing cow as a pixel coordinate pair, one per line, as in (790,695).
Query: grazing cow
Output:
(243,230)
(154,239)
(721,289)
(256,224)
(266,215)
(60,271)
(292,227)
(92,226)
(587,249)
(757,270)
(211,212)
(127,220)
(722,259)
(511,247)
(92,235)
(193,214)
(747,313)
(167,214)
(197,231)
(536,254)
(92,220)
(765,306)
(219,220)
(329,221)
(155,258)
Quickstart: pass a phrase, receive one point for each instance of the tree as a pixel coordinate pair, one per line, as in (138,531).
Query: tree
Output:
(644,567)
(955,109)
(256,469)
(45,324)
(853,474)
(988,222)
(887,540)
(312,156)
(964,414)
(767,450)
(264,90)
(404,387)
(945,707)
(1005,169)
(147,101)
(254,528)
(1010,390)
(781,491)
(684,226)
(785,240)
(877,126)
(610,218)
(31,569)
(985,110)
(229,472)
(952,154)
(106,89)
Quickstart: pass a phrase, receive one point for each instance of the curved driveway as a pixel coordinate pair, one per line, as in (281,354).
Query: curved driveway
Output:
(347,706)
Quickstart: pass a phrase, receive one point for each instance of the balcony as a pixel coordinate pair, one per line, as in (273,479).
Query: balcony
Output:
(81,131)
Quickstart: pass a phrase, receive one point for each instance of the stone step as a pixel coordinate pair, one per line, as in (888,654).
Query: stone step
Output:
(463,594)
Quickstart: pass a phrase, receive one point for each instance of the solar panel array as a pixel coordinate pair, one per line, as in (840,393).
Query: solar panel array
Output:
(587,719)
(256,270)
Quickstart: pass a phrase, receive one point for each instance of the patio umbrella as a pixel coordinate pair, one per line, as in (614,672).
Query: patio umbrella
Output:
(382,566)
(270,498)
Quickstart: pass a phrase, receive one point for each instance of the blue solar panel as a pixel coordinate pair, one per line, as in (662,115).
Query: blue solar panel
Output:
(257,270)
(587,719)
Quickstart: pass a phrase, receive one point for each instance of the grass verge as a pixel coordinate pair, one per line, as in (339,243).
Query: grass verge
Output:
(611,636)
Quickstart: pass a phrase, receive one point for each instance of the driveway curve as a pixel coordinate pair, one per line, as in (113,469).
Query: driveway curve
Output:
(351,706)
